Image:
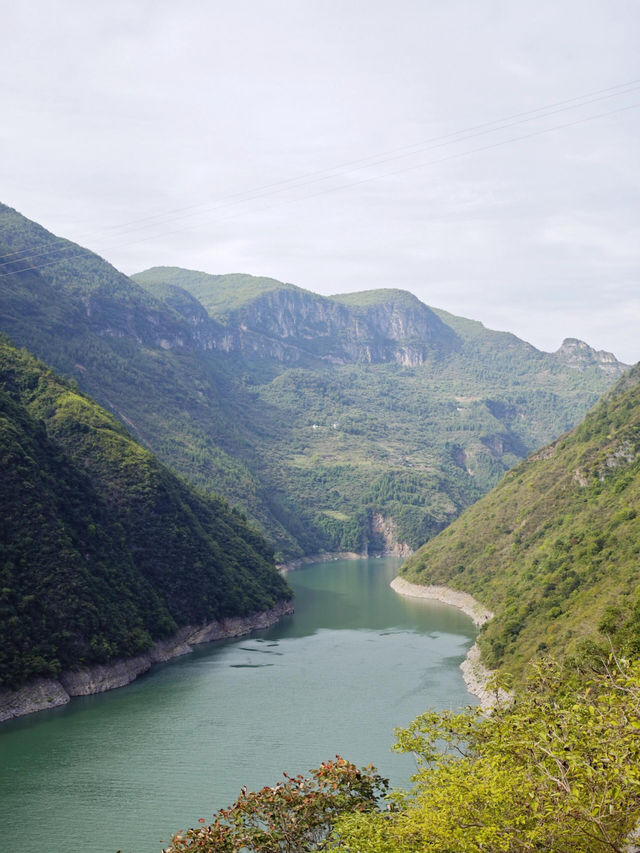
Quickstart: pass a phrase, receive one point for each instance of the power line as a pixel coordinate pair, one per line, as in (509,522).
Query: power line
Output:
(84,252)
(373,160)
(30,253)
(486,127)
(444,140)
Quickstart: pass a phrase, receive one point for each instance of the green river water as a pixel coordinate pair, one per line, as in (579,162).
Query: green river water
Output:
(126,769)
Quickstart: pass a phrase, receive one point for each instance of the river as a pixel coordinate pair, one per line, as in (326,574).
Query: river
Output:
(125,769)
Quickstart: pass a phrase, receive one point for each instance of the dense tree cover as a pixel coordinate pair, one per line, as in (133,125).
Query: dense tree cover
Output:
(102,549)
(553,550)
(307,423)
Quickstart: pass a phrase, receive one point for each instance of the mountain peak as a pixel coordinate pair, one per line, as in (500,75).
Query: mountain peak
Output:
(579,355)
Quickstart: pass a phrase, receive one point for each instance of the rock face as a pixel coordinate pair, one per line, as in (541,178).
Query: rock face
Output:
(43,694)
(400,329)
(270,319)
(580,356)
(384,528)
(478,678)
(293,325)
(39,695)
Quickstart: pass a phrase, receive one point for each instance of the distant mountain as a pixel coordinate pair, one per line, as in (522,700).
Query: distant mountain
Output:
(554,548)
(102,549)
(270,319)
(577,354)
(360,421)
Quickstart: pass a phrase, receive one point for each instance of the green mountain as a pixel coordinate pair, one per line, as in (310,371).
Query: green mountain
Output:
(554,548)
(102,549)
(387,417)
(361,421)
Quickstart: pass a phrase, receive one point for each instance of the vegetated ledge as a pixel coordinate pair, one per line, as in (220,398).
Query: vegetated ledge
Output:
(45,693)
(475,674)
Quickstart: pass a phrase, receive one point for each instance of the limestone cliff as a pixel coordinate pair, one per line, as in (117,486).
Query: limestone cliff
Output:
(384,534)
(580,356)
(293,325)
(270,319)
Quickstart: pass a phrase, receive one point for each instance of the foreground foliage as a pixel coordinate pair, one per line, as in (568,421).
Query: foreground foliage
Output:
(556,770)
(295,816)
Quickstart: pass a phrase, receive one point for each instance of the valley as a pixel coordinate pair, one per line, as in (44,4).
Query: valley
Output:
(325,420)
(167,438)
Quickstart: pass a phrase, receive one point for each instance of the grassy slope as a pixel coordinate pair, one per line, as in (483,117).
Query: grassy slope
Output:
(220,294)
(103,549)
(554,549)
(368,298)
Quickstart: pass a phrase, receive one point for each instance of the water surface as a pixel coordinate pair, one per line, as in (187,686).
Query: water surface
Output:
(126,769)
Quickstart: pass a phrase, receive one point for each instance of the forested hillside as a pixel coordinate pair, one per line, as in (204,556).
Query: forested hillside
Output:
(554,549)
(102,549)
(358,422)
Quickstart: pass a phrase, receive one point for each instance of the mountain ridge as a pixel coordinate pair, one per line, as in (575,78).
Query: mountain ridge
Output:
(389,314)
(325,422)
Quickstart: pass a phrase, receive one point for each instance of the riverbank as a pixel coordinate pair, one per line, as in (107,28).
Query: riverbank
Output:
(42,694)
(283,568)
(475,674)
(290,566)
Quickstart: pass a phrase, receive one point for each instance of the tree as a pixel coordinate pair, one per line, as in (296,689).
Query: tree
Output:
(295,816)
(558,770)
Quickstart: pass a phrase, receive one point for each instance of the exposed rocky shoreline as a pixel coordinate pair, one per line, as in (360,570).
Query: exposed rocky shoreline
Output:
(475,674)
(45,693)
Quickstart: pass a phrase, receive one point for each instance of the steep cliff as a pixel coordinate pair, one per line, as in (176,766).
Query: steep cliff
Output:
(269,319)
(579,355)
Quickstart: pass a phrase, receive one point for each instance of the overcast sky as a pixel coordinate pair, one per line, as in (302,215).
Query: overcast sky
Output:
(484,155)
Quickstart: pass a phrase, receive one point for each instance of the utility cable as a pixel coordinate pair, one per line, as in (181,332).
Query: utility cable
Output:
(83,252)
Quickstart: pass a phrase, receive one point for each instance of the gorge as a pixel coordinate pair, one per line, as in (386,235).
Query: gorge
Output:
(166,438)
